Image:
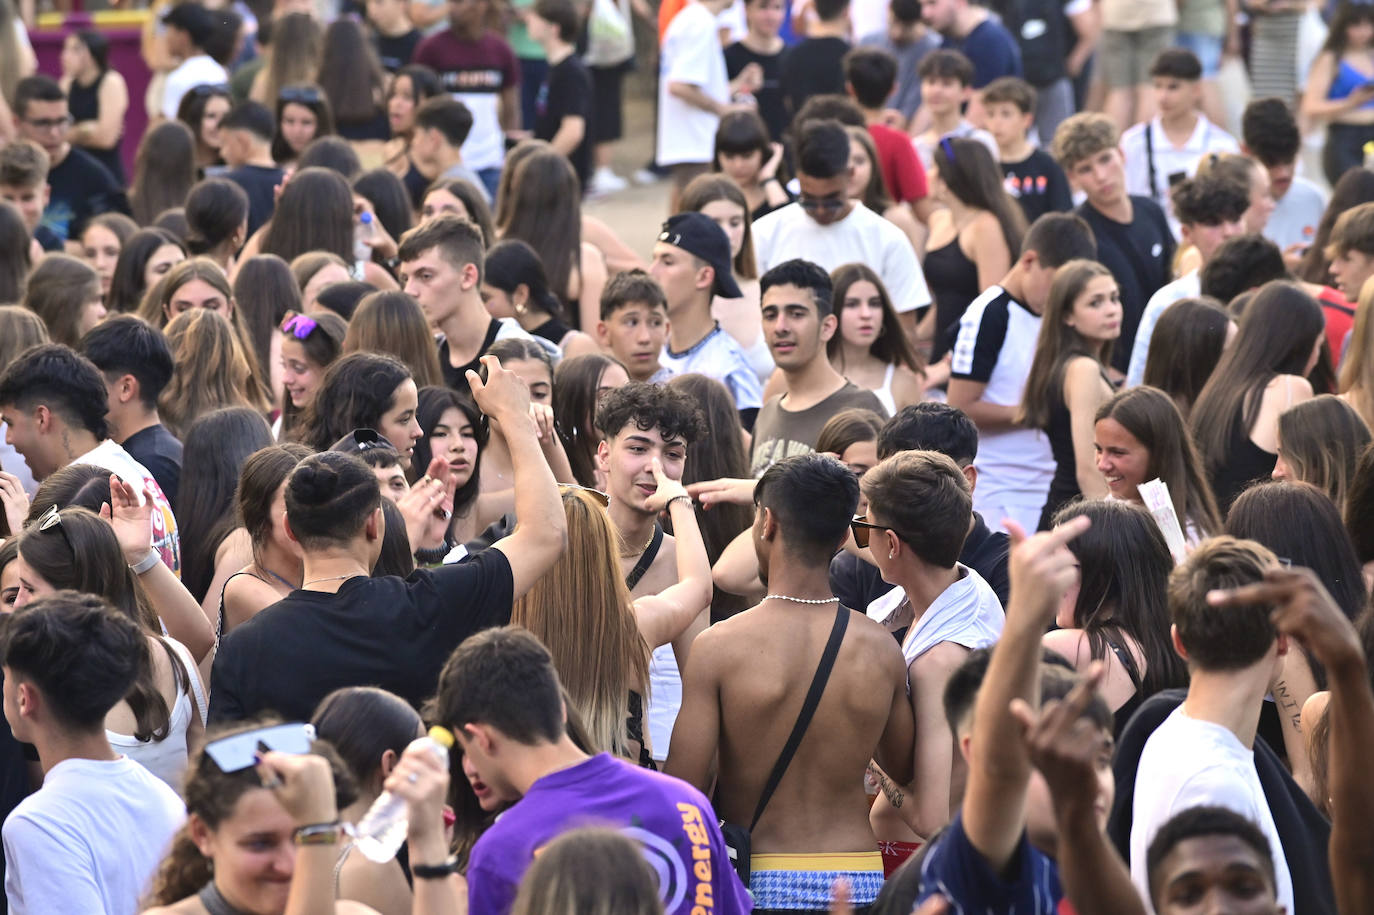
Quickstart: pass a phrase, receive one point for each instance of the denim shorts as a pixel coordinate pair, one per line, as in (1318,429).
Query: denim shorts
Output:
(1206,47)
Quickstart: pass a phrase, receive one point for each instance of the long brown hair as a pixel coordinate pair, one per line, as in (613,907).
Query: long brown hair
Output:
(210,370)
(164,171)
(1277,332)
(544,213)
(85,556)
(1152,417)
(1357,372)
(576,390)
(594,640)
(709,188)
(19,329)
(1058,343)
(892,345)
(59,289)
(293,55)
(875,193)
(392,323)
(1321,441)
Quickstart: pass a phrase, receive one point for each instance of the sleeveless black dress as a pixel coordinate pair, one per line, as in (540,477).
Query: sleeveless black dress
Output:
(84,104)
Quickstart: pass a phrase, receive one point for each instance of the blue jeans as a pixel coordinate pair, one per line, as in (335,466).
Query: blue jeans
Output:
(491,179)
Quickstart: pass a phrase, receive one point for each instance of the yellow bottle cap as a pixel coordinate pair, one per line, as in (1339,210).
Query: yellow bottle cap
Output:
(442,736)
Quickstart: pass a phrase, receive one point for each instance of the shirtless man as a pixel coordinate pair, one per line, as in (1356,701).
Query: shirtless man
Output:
(746,681)
(639,422)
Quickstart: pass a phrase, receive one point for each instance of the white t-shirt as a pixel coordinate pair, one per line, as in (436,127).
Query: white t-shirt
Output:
(994,347)
(89,840)
(863,237)
(966,613)
(691,54)
(1187,763)
(201,70)
(112,456)
(1296,215)
(1185,287)
(1170,160)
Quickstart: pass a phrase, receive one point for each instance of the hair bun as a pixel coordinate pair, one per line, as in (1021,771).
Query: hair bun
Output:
(314,482)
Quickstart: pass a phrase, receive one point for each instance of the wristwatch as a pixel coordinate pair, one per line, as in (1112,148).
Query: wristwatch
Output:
(435,871)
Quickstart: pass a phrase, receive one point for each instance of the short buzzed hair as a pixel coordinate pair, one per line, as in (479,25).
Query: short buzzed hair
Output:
(813,498)
(459,241)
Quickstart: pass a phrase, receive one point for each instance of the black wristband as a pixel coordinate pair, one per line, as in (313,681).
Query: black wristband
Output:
(435,871)
(432,556)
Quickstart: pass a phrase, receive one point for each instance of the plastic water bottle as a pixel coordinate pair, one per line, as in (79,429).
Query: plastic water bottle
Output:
(363,232)
(382,830)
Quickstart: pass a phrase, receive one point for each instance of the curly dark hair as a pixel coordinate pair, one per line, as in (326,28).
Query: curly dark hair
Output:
(354,393)
(1210,200)
(650,406)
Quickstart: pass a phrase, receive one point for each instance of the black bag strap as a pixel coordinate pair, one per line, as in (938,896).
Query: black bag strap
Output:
(1150,157)
(646,559)
(813,699)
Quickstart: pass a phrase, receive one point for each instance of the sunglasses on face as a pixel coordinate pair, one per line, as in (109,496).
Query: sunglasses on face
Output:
(862,529)
(596,494)
(237,751)
(298,325)
(821,204)
(48,123)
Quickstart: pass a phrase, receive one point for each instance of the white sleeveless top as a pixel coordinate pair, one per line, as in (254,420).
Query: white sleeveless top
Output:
(167,758)
(884,393)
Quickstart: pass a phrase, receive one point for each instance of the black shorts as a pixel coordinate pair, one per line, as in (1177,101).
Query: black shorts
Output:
(606,102)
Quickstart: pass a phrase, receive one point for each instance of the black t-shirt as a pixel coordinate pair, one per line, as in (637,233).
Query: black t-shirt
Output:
(259,182)
(391,632)
(457,378)
(81,188)
(857,583)
(1140,256)
(1038,184)
(567,92)
(159,451)
(814,67)
(395,51)
(769,96)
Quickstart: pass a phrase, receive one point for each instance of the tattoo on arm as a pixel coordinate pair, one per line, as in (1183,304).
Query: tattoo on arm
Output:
(890,790)
(1288,705)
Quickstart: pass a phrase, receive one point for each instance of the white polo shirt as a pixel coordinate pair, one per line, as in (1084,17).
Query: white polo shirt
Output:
(1170,161)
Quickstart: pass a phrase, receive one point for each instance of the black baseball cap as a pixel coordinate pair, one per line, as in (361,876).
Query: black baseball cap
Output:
(193,19)
(698,235)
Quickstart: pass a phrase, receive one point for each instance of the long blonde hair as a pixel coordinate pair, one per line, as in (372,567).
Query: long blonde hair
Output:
(581,610)
(210,370)
(1357,373)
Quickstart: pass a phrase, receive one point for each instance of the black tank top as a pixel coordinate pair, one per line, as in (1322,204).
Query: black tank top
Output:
(1064,485)
(1244,463)
(953,282)
(84,104)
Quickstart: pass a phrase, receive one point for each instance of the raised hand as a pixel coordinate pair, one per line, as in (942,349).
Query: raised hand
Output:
(302,784)
(422,780)
(668,489)
(1303,610)
(14,500)
(1042,568)
(725,491)
(503,396)
(132,521)
(1064,745)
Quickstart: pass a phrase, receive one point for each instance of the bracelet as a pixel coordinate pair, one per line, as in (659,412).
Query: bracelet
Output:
(772,180)
(677,498)
(435,871)
(317,834)
(146,563)
(429,556)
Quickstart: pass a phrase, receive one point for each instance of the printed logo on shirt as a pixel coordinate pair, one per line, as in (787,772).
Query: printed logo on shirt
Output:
(697,834)
(1309,231)
(1156,249)
(473,81)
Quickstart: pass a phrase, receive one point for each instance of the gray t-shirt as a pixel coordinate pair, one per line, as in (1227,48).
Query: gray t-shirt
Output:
(906,95)
(780,433)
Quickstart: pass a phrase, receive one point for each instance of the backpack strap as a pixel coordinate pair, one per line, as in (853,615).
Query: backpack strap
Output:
(813,699)
(646,559)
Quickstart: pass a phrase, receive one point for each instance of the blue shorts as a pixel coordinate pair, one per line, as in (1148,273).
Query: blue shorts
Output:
(801,883)
(1206,47)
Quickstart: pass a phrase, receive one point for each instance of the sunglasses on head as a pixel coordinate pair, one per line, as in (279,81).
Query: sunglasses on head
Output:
(298,325)
(211,89)
(303,95)
(862,529)
(596,494)
(238,751)
(50,519)
(369,439)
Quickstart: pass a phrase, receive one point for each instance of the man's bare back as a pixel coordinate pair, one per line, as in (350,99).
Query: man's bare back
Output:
(744,687)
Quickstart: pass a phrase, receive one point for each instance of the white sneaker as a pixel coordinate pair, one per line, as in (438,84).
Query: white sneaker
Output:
(646,176)
(605,181)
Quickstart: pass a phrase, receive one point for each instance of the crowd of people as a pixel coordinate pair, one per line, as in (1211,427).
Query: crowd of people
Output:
(962,507)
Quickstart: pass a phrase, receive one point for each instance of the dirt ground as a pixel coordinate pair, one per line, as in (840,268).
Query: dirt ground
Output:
(636,212)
